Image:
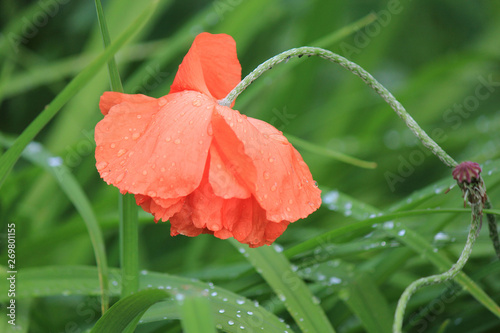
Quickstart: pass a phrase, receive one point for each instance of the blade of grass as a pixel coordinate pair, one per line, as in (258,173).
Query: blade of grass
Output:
(365,299)
(9,158)
(129,225)
(36,154)
(197,315)
(230,311)
(421,246)
(290,288)
(330,153)
(123,312)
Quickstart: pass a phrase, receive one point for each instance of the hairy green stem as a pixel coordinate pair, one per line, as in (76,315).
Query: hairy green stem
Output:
(477,218)
(355,69)
(492,226)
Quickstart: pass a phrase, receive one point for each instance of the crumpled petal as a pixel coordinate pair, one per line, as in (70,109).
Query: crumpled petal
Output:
(162,209)
(282,183)
(211,66)
(157,148)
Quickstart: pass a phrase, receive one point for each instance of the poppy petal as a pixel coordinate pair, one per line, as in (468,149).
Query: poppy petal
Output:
(181,223)
(161,153)
(282,184)
(222,179)
(211,66)
(162,209)
(111,98)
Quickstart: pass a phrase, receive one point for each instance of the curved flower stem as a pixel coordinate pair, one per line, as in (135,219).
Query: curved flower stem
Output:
(477,219)
(355,69)
(492,226)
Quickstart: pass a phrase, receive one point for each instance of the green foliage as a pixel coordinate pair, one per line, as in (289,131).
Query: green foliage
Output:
(344,267)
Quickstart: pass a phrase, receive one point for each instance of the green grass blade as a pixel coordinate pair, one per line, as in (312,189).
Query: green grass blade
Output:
(123,312)
(419,245)
(129,243)
(290,288)
(36,154)
(114,75)
(129,231)
(9,158)
(197,315)
(230,311)
(321,151)
(365,299)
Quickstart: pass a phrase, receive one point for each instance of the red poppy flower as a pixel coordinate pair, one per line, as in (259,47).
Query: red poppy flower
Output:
(205,167)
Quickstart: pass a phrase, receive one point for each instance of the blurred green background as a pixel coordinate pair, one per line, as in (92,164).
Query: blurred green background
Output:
(441,59)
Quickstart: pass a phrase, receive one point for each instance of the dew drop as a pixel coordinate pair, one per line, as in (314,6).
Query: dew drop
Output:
(152,193)
(112,145)
(222,311)
(167,139)
(119,178)
(101,165)
(288,209)
(274,187)
(196,102)
(139,116)
(162,101)
(145,172)
(135,136)
(230,323)
(177,141)
(173,164)
(121,152)
(266,175)
(271,160)
(240,301)
(200,142)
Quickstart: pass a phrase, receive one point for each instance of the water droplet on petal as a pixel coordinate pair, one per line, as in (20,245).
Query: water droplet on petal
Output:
(112,145)
(152,193)
(168,139)
(136,136)
(121,152)
(288,209)
(274,187)
(145,172)
(101,165)
(139,116)
(271,160)
(230,323)
(177,141)
(119,178)
(162,101)
(266,175)
(196,102)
